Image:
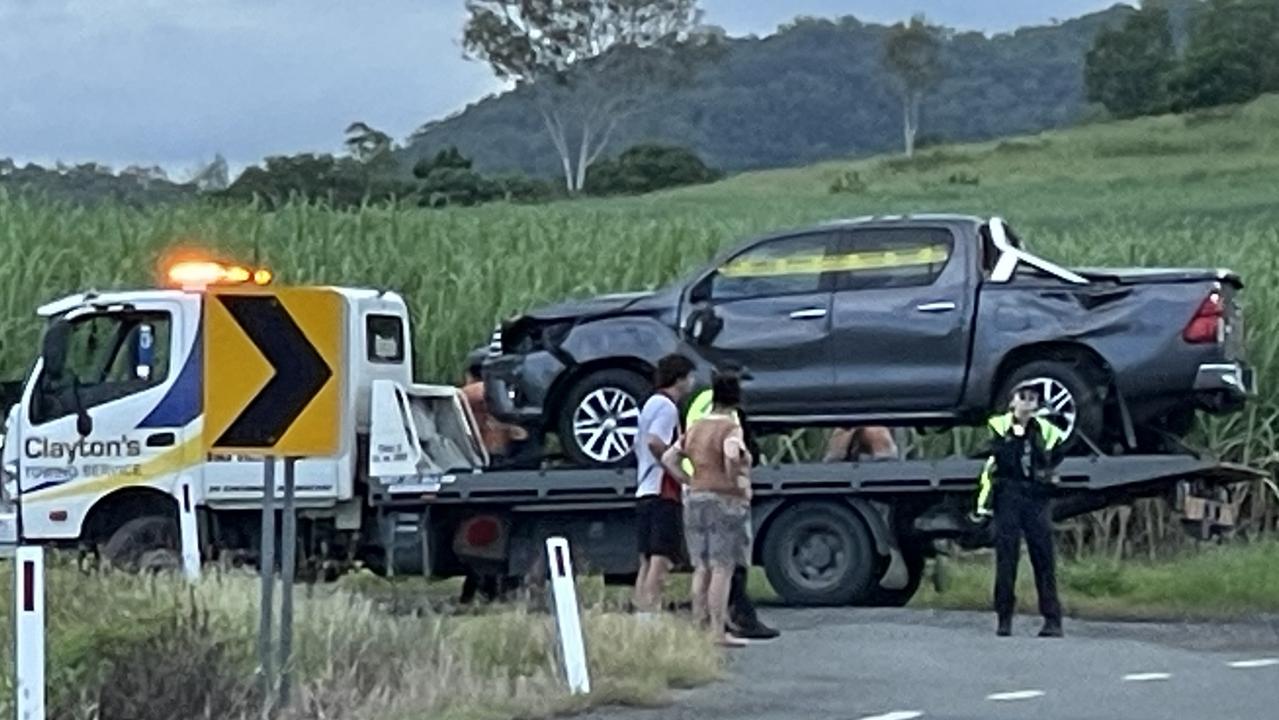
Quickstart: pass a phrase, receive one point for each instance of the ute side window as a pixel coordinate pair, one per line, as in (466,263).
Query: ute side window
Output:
(107,356)
(892,257)
(788,266)
(385,338)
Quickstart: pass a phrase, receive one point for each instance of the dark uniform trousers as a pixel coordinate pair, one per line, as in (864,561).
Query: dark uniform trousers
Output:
(1020,511)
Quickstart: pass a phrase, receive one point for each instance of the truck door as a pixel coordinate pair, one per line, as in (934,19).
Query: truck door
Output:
(110,404)
(767,309)
(900,320)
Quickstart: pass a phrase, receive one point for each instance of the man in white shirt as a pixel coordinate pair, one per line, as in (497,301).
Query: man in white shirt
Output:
(659,515)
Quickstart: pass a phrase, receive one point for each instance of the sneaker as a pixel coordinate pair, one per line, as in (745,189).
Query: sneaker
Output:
(1005,628)
(1052,629)
(754,630)
(730,640)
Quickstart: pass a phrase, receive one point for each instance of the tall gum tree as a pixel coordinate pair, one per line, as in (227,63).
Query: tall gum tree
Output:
(589,64)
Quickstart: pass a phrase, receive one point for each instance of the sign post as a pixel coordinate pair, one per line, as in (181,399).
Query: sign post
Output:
(266,566)
(271,390)
(28,614)
(288,569)
(568,620)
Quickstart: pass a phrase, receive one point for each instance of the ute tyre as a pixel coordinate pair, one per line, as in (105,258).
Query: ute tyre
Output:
(145,544)
(915,564)
(1089,409)
(820,554)
(626,392)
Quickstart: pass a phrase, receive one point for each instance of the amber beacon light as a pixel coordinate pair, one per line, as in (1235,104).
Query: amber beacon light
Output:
(200,274)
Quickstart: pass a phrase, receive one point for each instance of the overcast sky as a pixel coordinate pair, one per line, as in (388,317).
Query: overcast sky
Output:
(172,82)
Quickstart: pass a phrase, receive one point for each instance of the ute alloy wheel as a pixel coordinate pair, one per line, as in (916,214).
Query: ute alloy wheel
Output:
(1073,394)
(598,419)
(1059,406)
(605,424)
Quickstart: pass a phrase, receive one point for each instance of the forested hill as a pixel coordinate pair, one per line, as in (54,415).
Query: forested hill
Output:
(812,91)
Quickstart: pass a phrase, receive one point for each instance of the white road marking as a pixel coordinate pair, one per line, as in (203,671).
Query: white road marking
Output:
(1017,695)
(899,715)
(1251,664)
(1146,677)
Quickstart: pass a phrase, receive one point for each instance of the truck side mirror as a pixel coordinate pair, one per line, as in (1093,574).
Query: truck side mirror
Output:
(53,351)
(83,423)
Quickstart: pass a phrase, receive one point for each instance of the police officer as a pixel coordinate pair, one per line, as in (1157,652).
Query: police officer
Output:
(741,611)
(1018,477)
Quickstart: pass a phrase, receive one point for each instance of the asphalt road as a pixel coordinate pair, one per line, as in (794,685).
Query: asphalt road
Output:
(901,664)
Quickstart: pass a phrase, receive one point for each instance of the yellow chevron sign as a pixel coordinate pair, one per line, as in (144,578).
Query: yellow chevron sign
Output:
(272,371)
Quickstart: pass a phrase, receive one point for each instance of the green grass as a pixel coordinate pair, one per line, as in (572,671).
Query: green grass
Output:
(144,648)
(1216,584)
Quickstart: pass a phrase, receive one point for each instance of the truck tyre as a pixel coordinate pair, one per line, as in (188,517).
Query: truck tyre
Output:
(599,418)
(820,553)
(879,596)
(145,544)
(1073,402)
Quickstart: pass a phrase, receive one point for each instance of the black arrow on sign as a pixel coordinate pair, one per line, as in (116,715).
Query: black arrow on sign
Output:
(300,371)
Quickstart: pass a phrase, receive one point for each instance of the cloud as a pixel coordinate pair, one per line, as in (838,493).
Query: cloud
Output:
(123,80)
(172,82)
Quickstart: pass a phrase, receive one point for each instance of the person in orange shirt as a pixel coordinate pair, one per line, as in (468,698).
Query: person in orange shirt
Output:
(507,445)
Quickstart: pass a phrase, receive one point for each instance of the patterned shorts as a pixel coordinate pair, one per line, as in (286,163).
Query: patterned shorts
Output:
(717,530)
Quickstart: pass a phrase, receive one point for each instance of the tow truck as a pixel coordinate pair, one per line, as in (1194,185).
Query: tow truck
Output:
(110,423)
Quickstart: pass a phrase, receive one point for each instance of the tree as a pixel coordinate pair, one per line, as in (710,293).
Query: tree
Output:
(368,145)
(648,168)
(448,158)
(912,55)
(1129,67)
(588,63)
(214,177)
(1232,55)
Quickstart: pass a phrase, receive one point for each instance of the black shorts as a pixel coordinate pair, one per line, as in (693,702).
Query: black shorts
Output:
(660,526)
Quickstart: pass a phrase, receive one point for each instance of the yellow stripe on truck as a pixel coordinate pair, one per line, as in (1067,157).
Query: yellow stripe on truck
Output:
(847,262)
(171,461)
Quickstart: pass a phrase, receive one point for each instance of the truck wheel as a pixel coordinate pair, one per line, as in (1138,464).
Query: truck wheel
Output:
(819,554)
(145,544)
(1072,400)
(599,418)
(915,562)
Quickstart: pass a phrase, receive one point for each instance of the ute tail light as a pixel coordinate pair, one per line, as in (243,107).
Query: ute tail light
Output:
(1209,323)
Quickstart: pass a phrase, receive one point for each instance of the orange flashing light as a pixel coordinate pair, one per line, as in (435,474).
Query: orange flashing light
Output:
(200,274)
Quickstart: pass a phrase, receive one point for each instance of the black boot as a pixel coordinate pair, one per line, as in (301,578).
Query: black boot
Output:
(1052,628)
(1005,627)
(752,628)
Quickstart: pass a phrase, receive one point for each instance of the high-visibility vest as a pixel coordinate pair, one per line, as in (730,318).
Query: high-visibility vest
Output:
(1001,425)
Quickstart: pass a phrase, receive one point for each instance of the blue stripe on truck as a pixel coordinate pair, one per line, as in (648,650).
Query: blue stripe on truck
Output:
(185,400)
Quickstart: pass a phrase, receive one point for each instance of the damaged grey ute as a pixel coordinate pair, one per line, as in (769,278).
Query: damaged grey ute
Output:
(924,320)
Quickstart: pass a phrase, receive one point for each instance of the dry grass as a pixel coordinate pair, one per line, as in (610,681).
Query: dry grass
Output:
(138,649)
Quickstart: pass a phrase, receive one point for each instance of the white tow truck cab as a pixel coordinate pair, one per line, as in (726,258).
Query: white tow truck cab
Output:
(111,422)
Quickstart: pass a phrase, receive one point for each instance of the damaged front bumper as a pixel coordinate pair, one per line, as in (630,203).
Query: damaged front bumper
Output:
(516,387)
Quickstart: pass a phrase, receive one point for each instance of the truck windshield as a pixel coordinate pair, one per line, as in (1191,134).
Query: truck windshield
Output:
(108,356)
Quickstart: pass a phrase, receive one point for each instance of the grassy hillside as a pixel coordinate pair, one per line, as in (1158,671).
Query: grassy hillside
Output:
(1192,190)
(814,90)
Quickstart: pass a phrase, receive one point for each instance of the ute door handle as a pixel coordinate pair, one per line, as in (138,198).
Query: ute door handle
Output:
(936,307)
(808,314)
